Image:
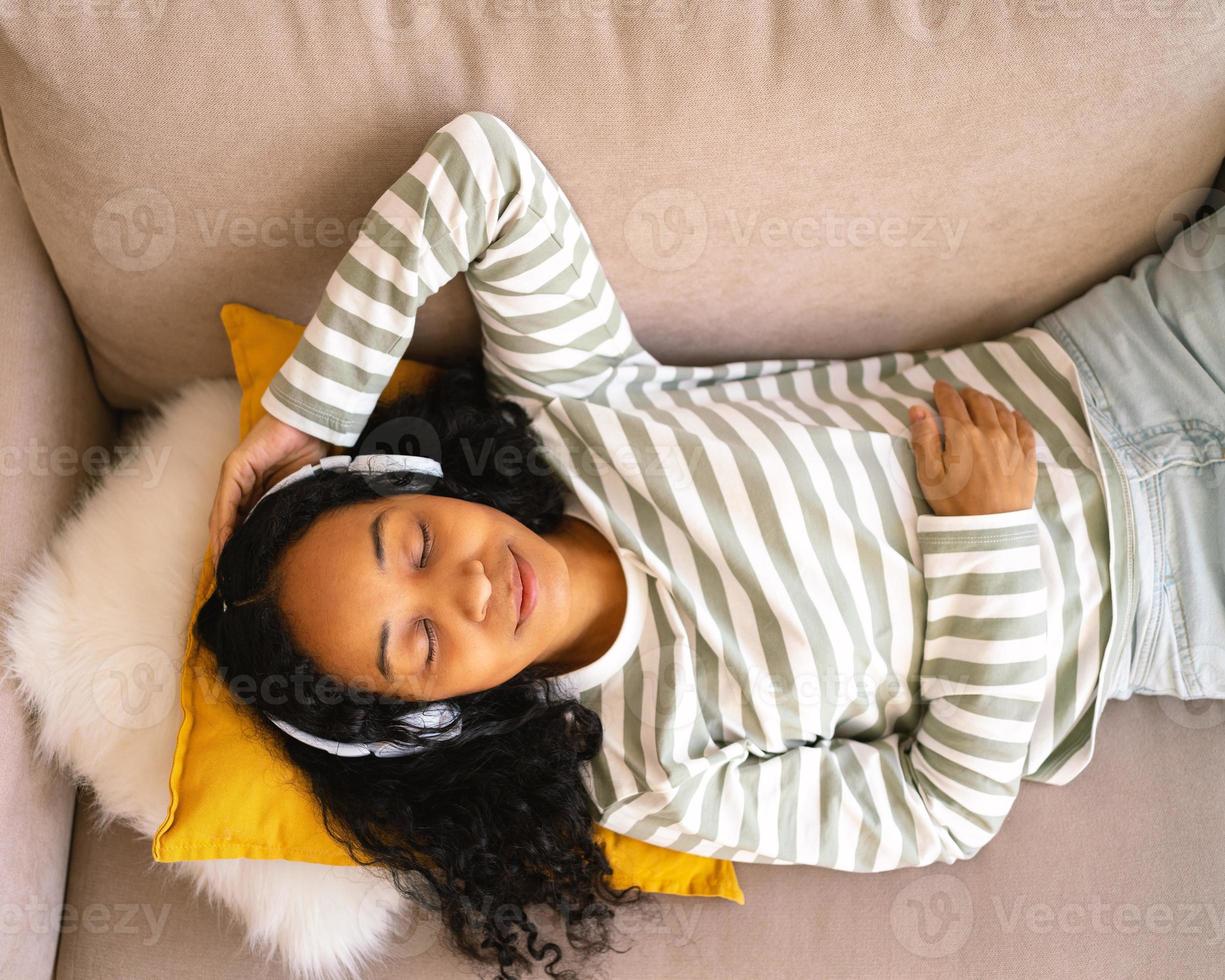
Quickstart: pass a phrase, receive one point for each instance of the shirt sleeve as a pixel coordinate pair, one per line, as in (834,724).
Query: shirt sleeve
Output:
(477,201)
(938,794)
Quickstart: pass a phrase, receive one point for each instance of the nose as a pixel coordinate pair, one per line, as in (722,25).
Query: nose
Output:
(442,591)
(471,590)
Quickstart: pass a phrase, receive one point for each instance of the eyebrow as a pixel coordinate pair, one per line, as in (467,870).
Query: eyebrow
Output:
(376,536)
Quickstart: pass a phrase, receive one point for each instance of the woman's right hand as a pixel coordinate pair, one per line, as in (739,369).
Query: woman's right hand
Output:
(271,450)
(988,464)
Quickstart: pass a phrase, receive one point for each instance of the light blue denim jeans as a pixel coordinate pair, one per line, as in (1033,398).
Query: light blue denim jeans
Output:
(1150,349)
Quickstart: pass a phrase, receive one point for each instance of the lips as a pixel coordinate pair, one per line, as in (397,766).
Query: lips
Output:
(525,588)
(516,588)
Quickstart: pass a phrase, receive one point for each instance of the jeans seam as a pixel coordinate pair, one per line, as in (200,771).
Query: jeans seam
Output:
(1089,378)
(1195,453)
(1166,603)
(1147,643)
(1148,452)
(1170,464)
(1181,425)
(1132,442)
(1186,662)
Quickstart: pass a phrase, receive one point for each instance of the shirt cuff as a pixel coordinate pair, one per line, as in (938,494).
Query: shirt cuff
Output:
(978,522)
(279,410)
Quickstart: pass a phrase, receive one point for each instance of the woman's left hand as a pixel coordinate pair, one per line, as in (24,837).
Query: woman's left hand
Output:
(271,449)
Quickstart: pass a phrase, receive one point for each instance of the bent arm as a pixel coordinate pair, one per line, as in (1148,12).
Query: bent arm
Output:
(899,801)
(477,201)
(424,229)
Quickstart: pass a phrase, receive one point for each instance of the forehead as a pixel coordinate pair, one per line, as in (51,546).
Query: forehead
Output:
(332,540)
(342,536)
(324,575)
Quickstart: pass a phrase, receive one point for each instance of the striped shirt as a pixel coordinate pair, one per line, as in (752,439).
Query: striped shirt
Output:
(813,667)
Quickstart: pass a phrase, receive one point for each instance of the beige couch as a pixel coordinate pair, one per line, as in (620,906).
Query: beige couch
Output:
(759,179)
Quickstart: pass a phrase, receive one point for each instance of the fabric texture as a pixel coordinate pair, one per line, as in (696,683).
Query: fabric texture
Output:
(1151,346)
(829,673)
(232,795)
(55,432)
(96,641)
(885,178)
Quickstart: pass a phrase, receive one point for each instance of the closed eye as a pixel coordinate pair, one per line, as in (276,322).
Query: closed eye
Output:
(376,538)
(427,542)
(380,557)
(427,547)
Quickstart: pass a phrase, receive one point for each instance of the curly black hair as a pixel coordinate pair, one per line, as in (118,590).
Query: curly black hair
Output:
(478,827)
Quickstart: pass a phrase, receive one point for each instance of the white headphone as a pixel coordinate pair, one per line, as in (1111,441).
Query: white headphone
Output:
(367,463)
(435,715)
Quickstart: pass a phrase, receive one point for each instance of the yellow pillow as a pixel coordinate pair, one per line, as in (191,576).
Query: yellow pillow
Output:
(231,797)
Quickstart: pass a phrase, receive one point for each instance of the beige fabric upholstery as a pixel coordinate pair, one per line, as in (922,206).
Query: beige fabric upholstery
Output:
(1116,874)
(759,179)
(51,413)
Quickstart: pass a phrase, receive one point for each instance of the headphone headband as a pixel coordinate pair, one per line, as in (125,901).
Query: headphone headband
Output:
(367,463)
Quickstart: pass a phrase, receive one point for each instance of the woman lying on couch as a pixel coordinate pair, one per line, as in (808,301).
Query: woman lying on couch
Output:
(789,611)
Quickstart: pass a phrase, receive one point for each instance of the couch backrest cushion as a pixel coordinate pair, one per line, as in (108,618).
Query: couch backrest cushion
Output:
(759,179)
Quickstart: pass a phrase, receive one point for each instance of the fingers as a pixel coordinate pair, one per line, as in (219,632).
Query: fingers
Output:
(925,438)
(1008,418)
(221,519)
(985,411)
(982,408)
(949,402)
(231,492)
(1025,435)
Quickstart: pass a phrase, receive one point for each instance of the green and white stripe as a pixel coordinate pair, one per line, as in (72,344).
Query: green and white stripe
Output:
(828,673)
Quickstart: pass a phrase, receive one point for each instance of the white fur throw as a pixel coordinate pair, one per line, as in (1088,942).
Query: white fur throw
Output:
(96,637)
